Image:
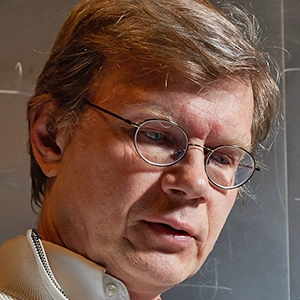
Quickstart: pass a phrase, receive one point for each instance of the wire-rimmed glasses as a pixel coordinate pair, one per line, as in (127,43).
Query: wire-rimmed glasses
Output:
(164,143)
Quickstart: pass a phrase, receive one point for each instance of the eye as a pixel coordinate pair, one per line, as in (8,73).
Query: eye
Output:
(154,135)
(221,159)
(162,135)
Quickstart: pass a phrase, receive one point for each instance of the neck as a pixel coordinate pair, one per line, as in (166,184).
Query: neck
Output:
(47,229)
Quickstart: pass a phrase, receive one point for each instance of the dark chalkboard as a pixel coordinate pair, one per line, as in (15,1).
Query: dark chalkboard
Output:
(256,256)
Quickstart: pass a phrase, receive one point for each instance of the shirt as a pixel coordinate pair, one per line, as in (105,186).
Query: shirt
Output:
(34,269)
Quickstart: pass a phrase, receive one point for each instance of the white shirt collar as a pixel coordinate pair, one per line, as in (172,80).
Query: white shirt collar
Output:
(79,277)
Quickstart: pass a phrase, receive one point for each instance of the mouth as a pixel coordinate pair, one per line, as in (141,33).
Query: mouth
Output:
(170,230)
(167,237)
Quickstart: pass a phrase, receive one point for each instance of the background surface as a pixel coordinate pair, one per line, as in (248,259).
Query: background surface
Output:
(256,256)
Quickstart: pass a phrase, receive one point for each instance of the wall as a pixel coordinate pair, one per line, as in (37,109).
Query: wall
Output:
(256,256)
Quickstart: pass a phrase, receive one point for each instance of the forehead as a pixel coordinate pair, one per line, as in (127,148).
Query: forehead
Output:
(132,88)
(150,76)
(158,78)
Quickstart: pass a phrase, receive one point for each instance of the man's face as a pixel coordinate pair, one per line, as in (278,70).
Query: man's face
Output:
(149,226)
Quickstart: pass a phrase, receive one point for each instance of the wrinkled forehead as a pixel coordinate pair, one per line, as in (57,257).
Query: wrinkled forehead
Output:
(133,90)
(152,76)
(155,77)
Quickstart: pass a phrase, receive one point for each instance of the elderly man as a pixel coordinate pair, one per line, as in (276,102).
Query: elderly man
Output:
(142,130)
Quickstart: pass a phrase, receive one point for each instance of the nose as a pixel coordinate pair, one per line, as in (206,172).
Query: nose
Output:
(187,179)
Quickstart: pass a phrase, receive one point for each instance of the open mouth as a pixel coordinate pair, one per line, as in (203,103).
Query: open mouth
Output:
(167,237)
(167,229)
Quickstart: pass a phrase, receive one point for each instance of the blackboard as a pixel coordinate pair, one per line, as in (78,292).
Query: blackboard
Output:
(256,256)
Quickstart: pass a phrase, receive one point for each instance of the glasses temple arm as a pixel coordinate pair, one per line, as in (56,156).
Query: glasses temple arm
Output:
(110,113)
(257,168)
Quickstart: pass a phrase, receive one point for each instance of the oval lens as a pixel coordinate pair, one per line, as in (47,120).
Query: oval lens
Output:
(160,142)
(229,166)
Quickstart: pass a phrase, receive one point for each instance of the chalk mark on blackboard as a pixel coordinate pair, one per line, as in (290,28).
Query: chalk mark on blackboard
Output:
(19,68)
(211,285)
(7,170)
(291,70)
(13,92)
(297,199)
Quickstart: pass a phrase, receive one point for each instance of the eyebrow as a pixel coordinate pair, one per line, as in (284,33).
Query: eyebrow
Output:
(242,143)
(148,110)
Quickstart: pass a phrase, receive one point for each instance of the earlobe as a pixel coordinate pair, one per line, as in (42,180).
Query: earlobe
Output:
(46,140)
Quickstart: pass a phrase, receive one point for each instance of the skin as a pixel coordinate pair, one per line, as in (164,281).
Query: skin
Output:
(151,227)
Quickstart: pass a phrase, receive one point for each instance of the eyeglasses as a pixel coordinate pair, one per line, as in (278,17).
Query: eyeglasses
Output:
(164,143)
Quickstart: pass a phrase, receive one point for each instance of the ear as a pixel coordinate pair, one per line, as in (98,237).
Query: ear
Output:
(47,142)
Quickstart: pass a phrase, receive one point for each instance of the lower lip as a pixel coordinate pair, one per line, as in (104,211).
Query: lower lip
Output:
(167,238)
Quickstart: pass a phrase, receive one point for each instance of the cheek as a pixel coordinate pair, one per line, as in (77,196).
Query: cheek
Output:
(99,194)
(109,176)
(219,210)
